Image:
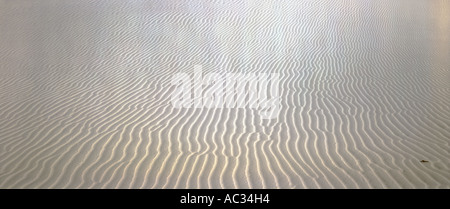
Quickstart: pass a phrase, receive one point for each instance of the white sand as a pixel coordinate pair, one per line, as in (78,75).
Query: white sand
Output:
(85,94)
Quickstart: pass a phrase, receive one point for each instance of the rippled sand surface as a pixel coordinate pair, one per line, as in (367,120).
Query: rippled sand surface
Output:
(85,91)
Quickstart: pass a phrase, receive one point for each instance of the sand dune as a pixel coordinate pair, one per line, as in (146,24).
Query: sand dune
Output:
(85,91)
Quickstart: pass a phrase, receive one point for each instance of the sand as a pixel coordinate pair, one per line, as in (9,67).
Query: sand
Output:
(85,94)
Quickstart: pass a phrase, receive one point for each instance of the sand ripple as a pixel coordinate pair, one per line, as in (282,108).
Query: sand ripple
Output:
(85,94)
